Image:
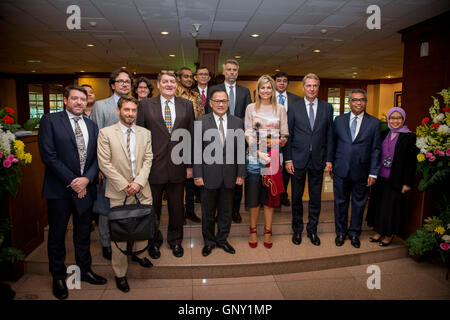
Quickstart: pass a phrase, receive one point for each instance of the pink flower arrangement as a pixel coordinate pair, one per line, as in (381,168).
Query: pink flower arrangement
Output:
(428,155)
(432,158)
(444,246)
(448,152)
(9,160)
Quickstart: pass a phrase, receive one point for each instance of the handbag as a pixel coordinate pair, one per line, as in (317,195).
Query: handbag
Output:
(269,184)
(132,222)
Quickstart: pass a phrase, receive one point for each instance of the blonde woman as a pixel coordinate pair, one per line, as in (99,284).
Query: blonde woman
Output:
(266,130)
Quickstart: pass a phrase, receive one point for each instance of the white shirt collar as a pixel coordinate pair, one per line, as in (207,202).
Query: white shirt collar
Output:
(283,94)
(360,116)
(229,85)
(216,117)
(314,102)
(163,100)
(71,115)
(125,128)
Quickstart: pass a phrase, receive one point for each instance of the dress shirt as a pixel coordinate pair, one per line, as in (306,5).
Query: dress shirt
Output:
(315,103)
(83,127)
(284,94)
(224,121)
(116,98)
(200,91)
(171,107)
(227,86)
(132,145)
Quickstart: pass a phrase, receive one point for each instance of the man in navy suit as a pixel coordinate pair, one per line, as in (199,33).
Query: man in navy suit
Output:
(309,150)
(239,100)
(68,148)
(286,99)
(357,161)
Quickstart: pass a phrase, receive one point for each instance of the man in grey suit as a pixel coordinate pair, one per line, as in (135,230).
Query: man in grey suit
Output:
(219,178)
(239,100)
(309,150)
(286,99)
(105,115)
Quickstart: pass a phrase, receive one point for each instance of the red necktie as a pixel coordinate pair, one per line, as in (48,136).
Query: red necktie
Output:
(203,97)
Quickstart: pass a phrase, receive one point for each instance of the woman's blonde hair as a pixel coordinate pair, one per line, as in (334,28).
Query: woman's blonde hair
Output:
(262,81)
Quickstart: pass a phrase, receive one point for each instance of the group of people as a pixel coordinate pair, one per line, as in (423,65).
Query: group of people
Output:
(100,154)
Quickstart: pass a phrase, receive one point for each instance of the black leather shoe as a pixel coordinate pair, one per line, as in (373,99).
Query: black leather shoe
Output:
(237,217)
(92,278)
(122,284)
(193,218)
(154,252)
(178,250)
(207,250)
(355,242)
(297,238)
(60,289)
(285,202)
(340,239)
(143,262)
(314,239)
(227,248)
(107,253)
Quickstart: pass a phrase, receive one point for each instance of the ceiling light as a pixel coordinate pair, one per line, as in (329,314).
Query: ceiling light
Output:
(323,31)
(389,76)
(237,57)
(172,55)
(354,68)
(33,70)
(353,76)
(255,35)
(277,70)
(81,70)
(165,33)
(355,72)
(91,45)
(33,61)
(123,67)
(316,51)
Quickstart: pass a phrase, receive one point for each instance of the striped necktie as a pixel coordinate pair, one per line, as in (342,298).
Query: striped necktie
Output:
(168,116)
(81,146)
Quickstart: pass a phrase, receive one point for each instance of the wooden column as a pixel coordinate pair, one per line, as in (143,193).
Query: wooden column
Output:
(208,51)
(423,77)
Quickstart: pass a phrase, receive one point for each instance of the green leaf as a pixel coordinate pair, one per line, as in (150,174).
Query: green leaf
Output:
(31,124)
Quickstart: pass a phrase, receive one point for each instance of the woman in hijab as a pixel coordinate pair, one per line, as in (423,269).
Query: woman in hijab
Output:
(386,212)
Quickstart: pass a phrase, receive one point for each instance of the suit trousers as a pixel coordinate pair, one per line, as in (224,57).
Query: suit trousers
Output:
(343,188)
(286,178)
(175,205)
(103,224)
(191,191)
(237,199)
(315,181)
(221,200)
(59,211)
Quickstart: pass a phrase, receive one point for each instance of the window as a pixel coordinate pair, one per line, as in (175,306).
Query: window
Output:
(334,97)
(36,100)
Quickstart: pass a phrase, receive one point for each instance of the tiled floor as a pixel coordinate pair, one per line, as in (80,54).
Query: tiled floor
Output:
(400,279)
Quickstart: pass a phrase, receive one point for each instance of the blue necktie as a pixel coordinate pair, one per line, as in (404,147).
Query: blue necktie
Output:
(353,128)
(281,99)
(311,115)
(231,97)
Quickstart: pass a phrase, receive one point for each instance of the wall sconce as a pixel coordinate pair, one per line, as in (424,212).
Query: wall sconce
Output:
(424,49)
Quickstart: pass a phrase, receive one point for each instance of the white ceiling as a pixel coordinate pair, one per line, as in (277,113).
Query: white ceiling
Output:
(128,34)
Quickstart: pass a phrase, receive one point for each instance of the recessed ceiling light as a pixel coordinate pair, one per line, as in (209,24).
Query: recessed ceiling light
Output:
(353,76)
(172,55)
(255,35)
(33,61)
(165,33)
(355,72)
(90,45)
(81,70)
(354,68)
(277,70)
(237,57)
(316,51)
(389,76)
(33,70)
(123,67)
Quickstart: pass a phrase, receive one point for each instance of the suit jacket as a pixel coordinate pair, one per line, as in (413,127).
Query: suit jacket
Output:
(115,163)
(362,157)
(104,112)
(150,116)
(403,169)
(207,106)
(214,175)
(59,154)
(301,136)
(242,99)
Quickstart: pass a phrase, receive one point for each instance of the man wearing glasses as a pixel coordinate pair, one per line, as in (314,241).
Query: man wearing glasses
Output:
(357,161)
(202,77)
(105,115)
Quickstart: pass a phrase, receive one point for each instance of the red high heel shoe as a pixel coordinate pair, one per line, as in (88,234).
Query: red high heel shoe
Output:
(252,244)
(268,245)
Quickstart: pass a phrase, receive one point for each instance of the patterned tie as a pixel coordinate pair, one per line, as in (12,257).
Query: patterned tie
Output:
(168,117)
(311,115)
(80,143)
(231,97)
(203,97)
(281,99)
(222,132)
(128,142)
(353,128)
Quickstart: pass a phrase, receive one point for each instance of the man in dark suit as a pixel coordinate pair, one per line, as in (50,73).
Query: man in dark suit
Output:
(202,77)
(239,100)
(309,150)
(357,161)
(286,99)
(68,148)
(220,178)
(163,115)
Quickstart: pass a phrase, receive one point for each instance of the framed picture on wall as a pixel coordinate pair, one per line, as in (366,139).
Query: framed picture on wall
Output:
(397,98)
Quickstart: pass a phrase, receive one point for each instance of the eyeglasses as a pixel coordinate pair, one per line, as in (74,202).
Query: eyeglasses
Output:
(219,101)
(123,81)
(203,74)
(356,100)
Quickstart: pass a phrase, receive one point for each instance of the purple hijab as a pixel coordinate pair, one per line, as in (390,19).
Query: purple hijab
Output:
(403,128)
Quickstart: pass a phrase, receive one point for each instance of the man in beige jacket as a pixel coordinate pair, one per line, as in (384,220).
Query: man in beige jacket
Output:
(125,157)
